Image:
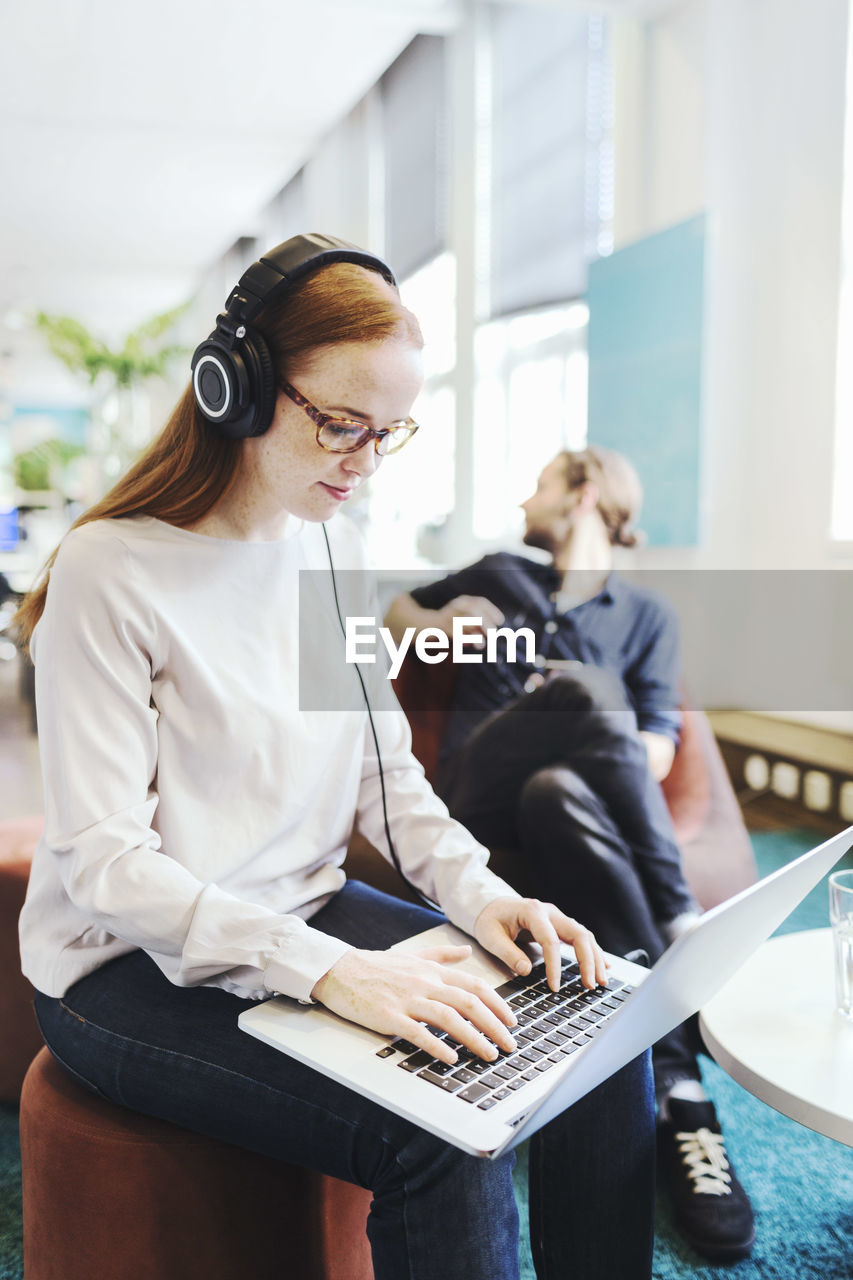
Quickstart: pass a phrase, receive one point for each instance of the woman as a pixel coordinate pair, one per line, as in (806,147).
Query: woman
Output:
(197,817)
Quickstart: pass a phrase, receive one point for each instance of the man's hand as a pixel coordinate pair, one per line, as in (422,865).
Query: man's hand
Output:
(499,924)
(661,753)
(396,993)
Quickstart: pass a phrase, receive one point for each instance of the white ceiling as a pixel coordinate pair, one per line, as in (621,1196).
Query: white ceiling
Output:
(140,139)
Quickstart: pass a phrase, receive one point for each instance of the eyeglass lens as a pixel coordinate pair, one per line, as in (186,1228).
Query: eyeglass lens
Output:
(339,437)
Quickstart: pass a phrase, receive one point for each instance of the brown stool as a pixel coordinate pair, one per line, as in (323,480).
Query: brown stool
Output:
(19,1034)
(109,1194)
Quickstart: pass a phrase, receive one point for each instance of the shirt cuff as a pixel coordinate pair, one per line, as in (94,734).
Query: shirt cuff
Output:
(467,900)
(301,962)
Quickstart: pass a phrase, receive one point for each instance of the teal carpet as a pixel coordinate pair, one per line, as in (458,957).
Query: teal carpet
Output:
(11,1257)
(801,1184)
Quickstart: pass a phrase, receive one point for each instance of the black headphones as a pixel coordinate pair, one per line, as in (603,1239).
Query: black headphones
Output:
(234,377)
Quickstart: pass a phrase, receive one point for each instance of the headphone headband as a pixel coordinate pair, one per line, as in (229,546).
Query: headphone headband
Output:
(233,371)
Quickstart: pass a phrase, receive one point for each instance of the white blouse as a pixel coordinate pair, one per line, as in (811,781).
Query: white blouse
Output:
(197,805)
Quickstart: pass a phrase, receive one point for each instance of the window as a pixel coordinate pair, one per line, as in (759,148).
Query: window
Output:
(408,506)
(530,403)
(842,507)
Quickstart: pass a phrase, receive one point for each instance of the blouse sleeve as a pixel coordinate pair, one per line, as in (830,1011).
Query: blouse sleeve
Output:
(95,649)
(436,853)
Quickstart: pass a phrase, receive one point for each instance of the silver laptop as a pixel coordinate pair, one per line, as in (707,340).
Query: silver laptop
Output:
(568,1041)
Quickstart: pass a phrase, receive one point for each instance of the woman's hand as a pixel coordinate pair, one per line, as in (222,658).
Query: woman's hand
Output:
(396,993)
(499,924)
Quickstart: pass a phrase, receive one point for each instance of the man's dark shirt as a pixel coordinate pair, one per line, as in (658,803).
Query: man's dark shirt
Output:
(624,629)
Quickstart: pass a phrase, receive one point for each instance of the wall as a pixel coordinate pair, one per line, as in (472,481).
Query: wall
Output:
(738,106)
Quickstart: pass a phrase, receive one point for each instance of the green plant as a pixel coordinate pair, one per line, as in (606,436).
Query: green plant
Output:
(141,357)
(34,468)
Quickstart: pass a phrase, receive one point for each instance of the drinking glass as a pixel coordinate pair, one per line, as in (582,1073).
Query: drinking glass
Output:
(841,919)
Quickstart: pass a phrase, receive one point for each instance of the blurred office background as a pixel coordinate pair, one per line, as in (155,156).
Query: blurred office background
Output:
(629,221)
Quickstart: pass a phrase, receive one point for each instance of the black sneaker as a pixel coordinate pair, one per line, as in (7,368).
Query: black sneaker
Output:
(710,1206)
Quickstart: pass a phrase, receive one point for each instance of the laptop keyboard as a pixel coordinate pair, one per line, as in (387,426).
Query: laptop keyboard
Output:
(552,1025)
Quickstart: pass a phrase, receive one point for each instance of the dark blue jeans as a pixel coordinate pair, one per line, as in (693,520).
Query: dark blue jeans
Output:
(128,1034)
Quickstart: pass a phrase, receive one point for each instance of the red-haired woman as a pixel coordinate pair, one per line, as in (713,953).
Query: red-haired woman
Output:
(197,817)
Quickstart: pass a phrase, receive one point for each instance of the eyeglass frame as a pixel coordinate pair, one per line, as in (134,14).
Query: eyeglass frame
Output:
(322,420)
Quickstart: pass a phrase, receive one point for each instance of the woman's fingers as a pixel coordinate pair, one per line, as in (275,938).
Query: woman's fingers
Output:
(406,995)
(487,994)
(474,1008)
(443,954)
(590,957)
(446,1018)
(500,923)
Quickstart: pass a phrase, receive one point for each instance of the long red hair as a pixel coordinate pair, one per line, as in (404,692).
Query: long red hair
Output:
(189,466)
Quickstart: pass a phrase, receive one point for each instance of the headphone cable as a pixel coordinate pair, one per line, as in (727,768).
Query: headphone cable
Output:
(392,850)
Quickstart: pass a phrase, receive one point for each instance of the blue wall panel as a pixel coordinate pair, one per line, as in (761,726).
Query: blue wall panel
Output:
(645,371)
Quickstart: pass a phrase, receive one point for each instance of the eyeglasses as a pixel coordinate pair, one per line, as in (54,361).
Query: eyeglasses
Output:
(345,435)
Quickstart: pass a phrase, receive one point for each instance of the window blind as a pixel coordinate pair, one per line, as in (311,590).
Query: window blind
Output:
(414,133)
(548,107)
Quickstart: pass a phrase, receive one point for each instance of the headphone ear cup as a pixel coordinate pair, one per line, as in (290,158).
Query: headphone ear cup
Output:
(260,374)
(235,387)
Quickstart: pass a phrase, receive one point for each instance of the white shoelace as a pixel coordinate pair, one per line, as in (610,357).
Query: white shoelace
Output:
(705,1154)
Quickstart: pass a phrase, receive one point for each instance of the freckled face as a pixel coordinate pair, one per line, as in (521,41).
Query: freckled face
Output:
(375,383)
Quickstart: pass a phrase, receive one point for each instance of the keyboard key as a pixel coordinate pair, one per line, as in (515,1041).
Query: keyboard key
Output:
(464,1075)
(569,1047)
(574,1006)
(487,1103)
(386,1052)
(418,1060)
(403,1046)
(430,1076)
(519,1001)
(501,1094)
(478,1066)
(447,1083)
(442,1068)
(473,1093)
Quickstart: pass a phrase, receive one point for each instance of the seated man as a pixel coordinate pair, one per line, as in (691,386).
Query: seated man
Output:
(563,758)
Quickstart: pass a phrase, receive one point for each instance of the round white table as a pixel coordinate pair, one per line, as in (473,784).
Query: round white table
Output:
(774,1028)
